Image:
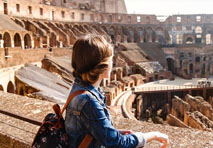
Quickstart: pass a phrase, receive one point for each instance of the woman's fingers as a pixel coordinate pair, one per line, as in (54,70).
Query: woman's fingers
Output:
(164,140)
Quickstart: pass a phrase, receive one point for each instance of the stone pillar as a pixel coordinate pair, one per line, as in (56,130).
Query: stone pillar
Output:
(1,43)
(60,44)
(139,105)
(32,44)
(22,44)
(12,44)
(41,42)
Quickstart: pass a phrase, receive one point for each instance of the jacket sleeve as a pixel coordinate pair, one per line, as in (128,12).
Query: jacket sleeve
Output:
(99,126)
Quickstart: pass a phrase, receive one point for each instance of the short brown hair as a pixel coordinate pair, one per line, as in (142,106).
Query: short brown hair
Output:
(90,56)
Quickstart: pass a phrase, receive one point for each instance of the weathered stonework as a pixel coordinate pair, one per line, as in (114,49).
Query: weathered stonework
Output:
(198,104)
(179,108)
(198,121)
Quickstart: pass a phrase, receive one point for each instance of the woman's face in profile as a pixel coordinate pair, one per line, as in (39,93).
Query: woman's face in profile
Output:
(107,73)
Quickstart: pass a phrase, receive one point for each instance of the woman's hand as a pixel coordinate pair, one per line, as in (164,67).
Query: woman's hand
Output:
(163,138)
(125,132)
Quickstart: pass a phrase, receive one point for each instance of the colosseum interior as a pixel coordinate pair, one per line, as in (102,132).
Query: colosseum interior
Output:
(161,79)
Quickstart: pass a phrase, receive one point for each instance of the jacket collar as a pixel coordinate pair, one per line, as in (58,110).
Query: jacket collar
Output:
(99,94)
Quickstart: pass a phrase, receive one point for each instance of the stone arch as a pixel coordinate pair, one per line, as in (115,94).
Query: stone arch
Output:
(198,34)
(122,33)
(141,34)
(27,41)
(1,88)
(86,26)
(104,28)
(78,28)
(198,29)
(17,40)
(82,28)
(67,26)
(75,25)
(53,41)
(150,34)
(7,39)
(95,27)
(160,35)
(10,87)
(133,34)
(189,40)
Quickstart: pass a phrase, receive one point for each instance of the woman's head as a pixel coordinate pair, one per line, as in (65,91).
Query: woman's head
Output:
(91,57)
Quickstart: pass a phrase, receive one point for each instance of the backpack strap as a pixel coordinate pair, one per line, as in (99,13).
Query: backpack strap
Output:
(87,139)
(78,92)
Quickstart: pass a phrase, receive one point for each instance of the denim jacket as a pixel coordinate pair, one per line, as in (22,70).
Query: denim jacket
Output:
(87,114)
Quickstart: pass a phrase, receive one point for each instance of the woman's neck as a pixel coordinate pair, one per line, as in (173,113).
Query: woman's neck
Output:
(97,84)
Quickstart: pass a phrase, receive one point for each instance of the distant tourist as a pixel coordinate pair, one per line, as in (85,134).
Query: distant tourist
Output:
(87,113)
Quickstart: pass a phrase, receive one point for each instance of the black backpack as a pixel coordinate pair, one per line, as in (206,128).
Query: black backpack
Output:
(52,134)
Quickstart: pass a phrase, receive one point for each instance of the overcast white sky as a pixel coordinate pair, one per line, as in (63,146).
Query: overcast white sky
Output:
(169,7)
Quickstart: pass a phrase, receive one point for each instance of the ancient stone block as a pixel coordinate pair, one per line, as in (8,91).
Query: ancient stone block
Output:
(199,121)
(179,107)
(199,104)
(172,120)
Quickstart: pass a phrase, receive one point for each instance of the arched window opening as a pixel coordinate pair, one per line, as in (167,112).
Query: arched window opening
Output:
(27,41)
(10,88)
(17,40)
(7,39)
(189,40)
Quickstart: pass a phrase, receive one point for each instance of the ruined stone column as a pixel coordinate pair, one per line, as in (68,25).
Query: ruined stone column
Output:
(139,105)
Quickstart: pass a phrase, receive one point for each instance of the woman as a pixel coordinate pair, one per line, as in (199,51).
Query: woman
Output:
(87,113)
